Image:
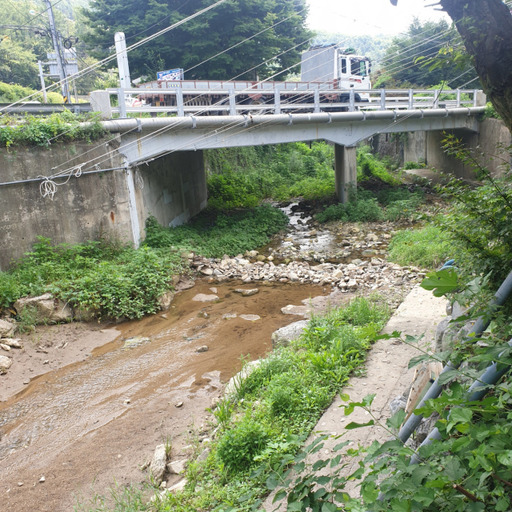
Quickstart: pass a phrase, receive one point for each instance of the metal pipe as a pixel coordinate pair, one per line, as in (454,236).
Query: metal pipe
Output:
(435,390)
(476,392)
(190,122)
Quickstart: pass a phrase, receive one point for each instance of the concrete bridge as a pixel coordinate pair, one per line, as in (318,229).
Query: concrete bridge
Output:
(155,165)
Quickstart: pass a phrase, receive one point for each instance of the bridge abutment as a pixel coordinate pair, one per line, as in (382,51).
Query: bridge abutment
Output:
(345,170)
(172,188)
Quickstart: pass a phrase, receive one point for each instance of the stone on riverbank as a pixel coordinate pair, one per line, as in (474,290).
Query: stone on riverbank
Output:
(288,333)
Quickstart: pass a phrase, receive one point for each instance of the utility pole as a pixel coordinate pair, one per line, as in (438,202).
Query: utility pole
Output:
(122,61)
(58,53)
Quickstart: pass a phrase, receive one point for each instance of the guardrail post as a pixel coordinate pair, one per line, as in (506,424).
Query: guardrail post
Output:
(437,93)
(317,101)
(232,102)
(351,101)
(277,101)
(411,99)
(179,102)
(458,97)
(383,99)
(122,102)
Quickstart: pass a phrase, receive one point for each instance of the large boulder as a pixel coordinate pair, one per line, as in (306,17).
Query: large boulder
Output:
(45,309)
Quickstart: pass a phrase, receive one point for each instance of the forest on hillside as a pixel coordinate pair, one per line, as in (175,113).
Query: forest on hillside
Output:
(246,39)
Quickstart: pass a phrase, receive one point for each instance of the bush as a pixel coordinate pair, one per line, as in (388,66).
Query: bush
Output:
(41,131)
(364,210)
(370,167)
(239,446)
(114,282)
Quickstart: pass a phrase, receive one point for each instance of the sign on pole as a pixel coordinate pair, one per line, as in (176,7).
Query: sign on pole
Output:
(170,74)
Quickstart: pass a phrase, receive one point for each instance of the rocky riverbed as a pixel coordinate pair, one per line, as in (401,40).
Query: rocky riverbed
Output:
(88,403)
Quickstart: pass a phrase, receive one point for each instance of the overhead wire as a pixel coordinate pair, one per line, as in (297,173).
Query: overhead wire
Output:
(129,48)
(157,35)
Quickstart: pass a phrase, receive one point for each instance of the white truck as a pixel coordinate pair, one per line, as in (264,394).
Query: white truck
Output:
(328,74)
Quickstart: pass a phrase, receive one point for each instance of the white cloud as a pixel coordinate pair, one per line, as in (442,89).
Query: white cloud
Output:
(356,17)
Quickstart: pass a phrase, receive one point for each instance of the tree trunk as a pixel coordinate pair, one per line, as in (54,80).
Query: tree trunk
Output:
(486,29)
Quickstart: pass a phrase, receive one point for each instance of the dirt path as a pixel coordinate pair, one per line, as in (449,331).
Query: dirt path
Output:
(387,376)
(113,393)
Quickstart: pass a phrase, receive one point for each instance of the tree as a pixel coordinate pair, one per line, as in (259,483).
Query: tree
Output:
(408,58)
(486,30)
(239,38)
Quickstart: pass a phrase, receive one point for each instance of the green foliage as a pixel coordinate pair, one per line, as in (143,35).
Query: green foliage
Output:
(245,176)
(9,93)
(113,282)
(214,234)
(370,167)
(239,446)
(231,190)
(366,206)
(42,131)
(280,26)
(479,220)
(363,210)
(426,247)
(426,55)
(490,112)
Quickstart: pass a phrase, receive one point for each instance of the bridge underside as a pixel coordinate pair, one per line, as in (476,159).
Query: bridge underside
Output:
(145,140)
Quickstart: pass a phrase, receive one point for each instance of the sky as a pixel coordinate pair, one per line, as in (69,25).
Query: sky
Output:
(354,17)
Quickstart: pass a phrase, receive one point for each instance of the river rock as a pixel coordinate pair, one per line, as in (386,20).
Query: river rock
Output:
(203,297)
(247,293)
(46,309)
(177,467)
(165,300)
(158,463)
(6,329)
(250,318)
(288,333)
(12,342)
(5,364)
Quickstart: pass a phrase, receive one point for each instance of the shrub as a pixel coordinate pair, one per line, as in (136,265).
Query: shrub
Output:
(41,131)
(238,447)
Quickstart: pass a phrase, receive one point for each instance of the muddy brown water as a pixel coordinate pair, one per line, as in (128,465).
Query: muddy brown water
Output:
(75,430)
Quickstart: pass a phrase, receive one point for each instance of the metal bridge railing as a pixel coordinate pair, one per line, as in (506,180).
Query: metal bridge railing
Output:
(181,102)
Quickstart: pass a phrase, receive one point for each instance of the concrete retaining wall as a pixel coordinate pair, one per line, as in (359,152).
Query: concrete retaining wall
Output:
(426,147)
(112,204)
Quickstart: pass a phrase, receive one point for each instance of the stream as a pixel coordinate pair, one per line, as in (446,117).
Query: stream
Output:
(100,398)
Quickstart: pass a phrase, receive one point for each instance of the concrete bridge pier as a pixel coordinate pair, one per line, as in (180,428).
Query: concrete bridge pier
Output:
(345,170)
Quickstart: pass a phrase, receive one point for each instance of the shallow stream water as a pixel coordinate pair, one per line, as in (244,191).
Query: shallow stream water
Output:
(99,419)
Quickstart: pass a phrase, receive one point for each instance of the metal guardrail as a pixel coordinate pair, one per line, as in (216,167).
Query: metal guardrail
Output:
(279,100)
(44,109)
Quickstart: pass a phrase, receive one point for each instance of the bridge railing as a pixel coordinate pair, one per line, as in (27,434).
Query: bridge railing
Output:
(183,102)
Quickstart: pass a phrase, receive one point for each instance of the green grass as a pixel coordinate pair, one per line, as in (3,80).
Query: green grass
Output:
(213,233)
(427,247)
